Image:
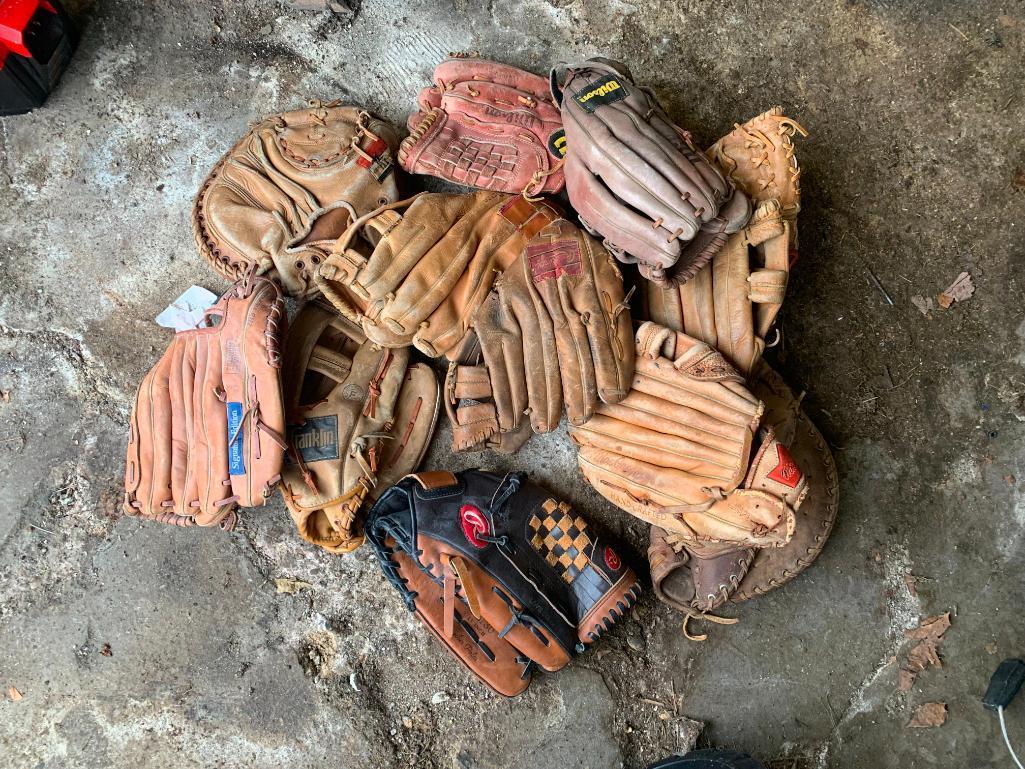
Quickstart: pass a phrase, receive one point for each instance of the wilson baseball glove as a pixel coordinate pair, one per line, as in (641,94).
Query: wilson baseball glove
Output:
(433,261)
(732,305)
(687,451)
(289,188)
(506,576)
(206,432)
(359,419)
(486,125)
(555,330)
(636,179)
(694,585)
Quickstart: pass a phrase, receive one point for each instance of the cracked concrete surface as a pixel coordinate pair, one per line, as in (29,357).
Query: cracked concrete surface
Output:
(141,646)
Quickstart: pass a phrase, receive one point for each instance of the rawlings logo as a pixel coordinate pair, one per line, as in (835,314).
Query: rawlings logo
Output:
(553,260)
(474,524)
(612,559)
(605,91)
(786,472)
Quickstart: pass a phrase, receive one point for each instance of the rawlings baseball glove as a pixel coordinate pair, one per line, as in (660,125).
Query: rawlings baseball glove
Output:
(733,304)
(694,585)
(206,432)
(434,260)
(555,330)
(506,576)
(359,419)
(288,189)
(636,179)
(687,451)
(486,125)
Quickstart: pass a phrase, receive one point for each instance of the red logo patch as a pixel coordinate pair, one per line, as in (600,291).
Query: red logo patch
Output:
(552,260)
(376,149)
(612,559)
(786,472)
(474,524)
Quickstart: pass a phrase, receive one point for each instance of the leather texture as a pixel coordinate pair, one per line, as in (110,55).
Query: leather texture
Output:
(486,125)
(555,331)
(206,432)
(732,305)
(432,262)
(359,416)
(288,189)
(505,575)
(636,179)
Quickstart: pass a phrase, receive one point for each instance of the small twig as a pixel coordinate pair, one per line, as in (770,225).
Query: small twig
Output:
(889,379)
(877,284)
(867,400)
(962,34)
(655,702)
(40,528)
(1008,102)
(906,280)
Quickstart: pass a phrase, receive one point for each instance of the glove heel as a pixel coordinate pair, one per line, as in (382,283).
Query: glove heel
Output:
(611,608)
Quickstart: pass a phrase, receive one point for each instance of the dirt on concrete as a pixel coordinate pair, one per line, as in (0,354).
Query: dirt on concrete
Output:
(134,645)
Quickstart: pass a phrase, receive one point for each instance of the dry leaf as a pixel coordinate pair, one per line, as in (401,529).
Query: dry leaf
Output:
(961,289)
(923,303)
(5,396)
(930,627)
(928,715)
(106,651)
(15,695)
(291,586)
(1018,178)
(925,653)
(909,580)
(991,648)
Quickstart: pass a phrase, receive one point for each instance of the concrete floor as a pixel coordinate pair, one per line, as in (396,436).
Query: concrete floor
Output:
(141,646)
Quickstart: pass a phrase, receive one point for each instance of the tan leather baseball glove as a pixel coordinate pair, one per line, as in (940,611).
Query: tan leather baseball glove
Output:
(287,190)
(206,432)
(733,303)
(359,419)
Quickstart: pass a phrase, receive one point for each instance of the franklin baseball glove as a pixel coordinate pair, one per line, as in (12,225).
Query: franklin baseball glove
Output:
(636,179)
(694,585)
(288,189)
(433,262)
(506,576)
(206,432)
(359,419)
(486,125)
(555,330)
(687,451)
(733,304)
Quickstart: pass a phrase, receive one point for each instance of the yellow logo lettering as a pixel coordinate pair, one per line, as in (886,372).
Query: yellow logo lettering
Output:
(602,90)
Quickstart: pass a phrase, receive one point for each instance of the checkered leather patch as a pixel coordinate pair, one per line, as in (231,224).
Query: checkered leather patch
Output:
(562,540)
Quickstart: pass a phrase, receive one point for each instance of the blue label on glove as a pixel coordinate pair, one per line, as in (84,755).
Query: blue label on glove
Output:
(236,463)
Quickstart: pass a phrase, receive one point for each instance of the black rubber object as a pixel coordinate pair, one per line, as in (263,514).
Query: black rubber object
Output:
(1004,684)
(709,759)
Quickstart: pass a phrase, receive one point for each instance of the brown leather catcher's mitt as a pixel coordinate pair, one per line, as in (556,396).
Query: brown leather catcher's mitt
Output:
(206,432)
(360,417)
(555,330)
(688,451)
(504,574)
(636,178)
(733,303)
(288,189)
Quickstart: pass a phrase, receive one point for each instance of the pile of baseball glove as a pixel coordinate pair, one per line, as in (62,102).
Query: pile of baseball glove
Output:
(678,419)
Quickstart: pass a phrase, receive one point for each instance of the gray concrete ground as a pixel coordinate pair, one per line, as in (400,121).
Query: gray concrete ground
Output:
(140,646)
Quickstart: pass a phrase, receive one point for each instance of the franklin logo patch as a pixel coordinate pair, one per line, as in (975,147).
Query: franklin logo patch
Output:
(604,91)
(316,439)
(236,449)
(786,472)
(557,142)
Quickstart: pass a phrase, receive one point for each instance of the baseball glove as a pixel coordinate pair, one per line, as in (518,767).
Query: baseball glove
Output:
(288,189)
(503,574)
(688,451)
(433,262)
(359,419)
(636,179)
(555,330)
(676,572)
(206,432)
(486,125)
(733,304)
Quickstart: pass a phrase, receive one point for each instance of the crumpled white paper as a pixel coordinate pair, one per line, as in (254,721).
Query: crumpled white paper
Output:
(186,312)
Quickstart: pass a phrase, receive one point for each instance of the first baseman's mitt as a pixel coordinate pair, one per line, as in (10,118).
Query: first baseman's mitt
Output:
(687,451)
(636,179)
(288,189)
(733,303)
(433,262)
(206,432)
(359,419)
(486,125)
(555,330)
(504,574)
